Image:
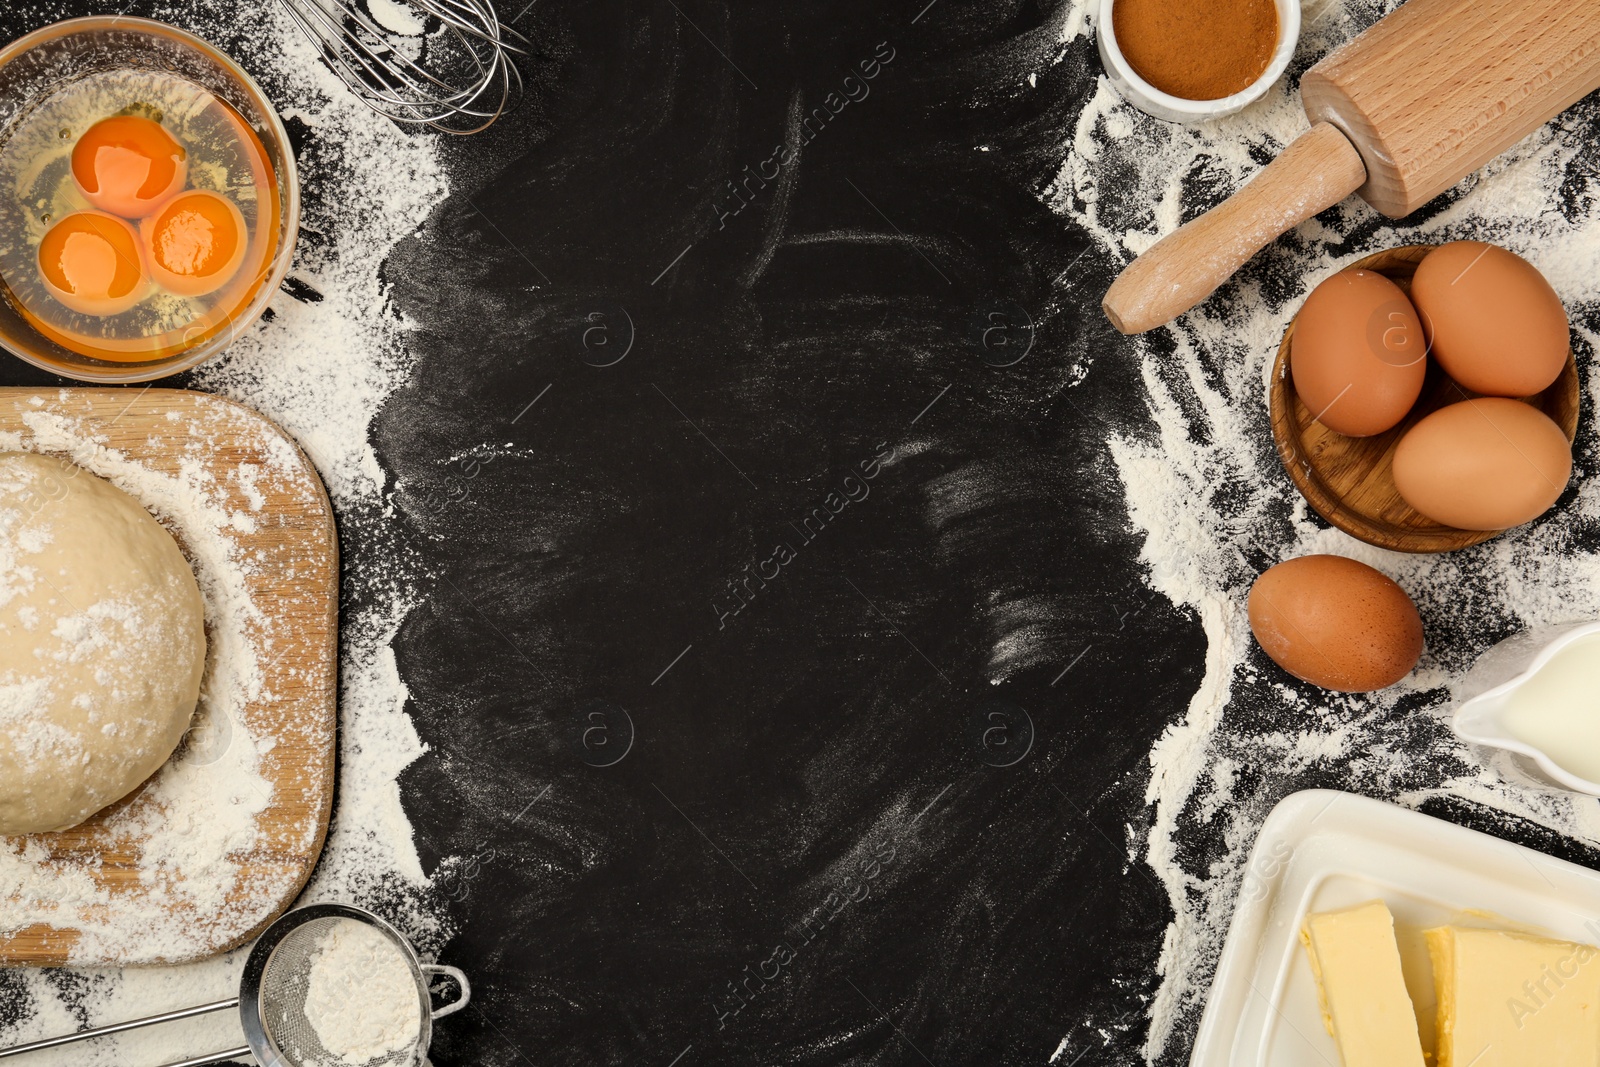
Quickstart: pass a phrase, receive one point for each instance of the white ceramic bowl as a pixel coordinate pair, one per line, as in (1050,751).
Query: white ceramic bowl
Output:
(1498,673)
(1146,97)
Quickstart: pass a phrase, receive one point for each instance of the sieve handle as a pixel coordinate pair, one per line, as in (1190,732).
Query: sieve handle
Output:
(431,969)
(117,1028)
(215,1057)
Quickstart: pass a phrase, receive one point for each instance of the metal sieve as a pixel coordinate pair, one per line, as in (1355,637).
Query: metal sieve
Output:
(272,998)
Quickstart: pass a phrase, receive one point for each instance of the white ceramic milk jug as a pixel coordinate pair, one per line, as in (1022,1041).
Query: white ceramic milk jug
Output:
(1538,695)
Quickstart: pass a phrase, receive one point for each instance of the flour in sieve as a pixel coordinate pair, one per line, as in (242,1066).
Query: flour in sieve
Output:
(361,995)
(1205,488)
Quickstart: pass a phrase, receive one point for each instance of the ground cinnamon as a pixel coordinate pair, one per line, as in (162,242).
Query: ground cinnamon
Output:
(1197,49)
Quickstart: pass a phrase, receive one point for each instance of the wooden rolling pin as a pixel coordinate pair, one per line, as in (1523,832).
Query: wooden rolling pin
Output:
(1420,100)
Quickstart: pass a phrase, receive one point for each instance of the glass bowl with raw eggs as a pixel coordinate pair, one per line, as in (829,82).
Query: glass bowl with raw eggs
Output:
(148,199)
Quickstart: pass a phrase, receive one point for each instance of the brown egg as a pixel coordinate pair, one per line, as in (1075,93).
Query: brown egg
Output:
(1358,355)
(1336,623)
(1487,464)
(1494,324)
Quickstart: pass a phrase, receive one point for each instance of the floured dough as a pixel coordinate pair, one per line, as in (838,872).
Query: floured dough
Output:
(102,644)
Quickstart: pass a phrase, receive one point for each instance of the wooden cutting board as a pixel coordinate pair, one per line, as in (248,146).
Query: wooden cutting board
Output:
(287,529)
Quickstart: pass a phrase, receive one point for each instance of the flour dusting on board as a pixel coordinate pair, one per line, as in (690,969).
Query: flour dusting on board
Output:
(320,365)
(197,817)
(1206,490)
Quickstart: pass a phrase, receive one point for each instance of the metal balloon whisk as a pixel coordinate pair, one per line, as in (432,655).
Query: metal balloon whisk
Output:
(440,63)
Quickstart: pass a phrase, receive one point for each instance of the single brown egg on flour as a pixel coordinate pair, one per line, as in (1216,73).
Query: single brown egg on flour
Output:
(1336,623)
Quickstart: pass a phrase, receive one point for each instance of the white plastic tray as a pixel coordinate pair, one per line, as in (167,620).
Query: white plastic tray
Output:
(1322,849)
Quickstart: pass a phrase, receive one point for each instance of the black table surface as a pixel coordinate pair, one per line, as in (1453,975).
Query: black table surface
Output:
(803,476)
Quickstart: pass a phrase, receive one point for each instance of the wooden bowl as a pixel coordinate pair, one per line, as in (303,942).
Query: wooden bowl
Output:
(1350,480)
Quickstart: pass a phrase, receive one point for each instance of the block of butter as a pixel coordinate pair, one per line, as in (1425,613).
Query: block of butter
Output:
(1510,1000)
(1365,1005)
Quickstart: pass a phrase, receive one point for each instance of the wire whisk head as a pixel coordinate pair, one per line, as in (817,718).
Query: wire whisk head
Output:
(447,64)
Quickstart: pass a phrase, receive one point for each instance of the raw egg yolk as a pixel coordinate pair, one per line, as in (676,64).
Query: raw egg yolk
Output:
(128,165)
(195,243)
(90,262)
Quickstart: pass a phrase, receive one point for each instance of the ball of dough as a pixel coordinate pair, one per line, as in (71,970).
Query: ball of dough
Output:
(102,644)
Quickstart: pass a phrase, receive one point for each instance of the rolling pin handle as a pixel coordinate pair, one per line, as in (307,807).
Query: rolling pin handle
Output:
(1317,171)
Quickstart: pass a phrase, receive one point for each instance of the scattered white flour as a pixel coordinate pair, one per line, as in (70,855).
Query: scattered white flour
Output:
(361,997)
(396,17)
(321,370)
(1206,489)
